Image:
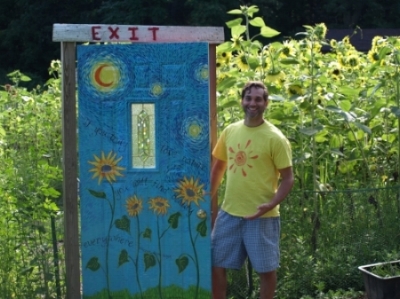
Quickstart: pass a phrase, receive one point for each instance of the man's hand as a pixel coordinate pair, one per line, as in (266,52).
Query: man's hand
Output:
(261,210)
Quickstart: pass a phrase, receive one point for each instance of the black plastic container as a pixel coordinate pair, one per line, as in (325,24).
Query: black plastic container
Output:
(378,287)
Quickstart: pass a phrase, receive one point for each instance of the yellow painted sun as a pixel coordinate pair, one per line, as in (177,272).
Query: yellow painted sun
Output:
(189,190)
(159,205)
(156,89)
(240,158)
(194,130)
(134,206)
(106,167)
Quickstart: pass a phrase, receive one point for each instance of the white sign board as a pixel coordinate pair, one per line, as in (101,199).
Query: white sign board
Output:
(134,33)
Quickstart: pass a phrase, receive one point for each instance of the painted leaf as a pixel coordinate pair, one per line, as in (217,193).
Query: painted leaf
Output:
(93,264)
(202,228)
(147,233)
(123,257)
(173,220)
(123,224)
(149,260)
(98,194)
(182,263)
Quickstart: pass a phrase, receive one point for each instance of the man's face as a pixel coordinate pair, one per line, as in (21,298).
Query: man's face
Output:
(253,103)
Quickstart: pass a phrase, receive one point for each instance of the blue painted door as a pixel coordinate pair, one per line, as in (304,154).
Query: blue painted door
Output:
(144,168)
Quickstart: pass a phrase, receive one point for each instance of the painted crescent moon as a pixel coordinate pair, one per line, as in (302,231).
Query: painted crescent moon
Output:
(98,79)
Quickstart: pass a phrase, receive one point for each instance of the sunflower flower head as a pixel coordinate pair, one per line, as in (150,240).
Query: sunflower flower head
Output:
(189,190)
(134,206)
(242,61)
(159,205)
(353,61)
(376,41)
(106,167)
(320,31)
(373,55)
(288,50)
(236,42)
(295,90)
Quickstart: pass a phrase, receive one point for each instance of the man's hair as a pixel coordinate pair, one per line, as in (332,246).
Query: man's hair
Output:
(256,84)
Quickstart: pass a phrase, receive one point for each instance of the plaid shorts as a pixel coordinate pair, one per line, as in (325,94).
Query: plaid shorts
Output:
(234,238)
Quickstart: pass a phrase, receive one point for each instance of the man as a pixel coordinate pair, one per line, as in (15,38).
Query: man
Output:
(255,155)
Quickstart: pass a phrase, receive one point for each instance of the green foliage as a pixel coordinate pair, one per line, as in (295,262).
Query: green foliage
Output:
(30,188)
(339,108)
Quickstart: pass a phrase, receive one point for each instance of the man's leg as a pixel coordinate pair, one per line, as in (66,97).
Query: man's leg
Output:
(267,285)
(219,283)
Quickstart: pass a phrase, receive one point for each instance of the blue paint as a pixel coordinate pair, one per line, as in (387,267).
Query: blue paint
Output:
(122,251)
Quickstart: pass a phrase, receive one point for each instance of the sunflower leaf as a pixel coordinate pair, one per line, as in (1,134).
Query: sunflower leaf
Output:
(202,228)
(93,264)
(269,32)
(147,233)
(123,224)
(173,220)
(182,263)
(233,23)
(98,194)
(149,260)
(257,22)
(123,257)
(235,12)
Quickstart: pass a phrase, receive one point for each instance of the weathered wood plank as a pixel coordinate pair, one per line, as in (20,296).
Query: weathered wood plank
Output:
(134,33)
(70,186)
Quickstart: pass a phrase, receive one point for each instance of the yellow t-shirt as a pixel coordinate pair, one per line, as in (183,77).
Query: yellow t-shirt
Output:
(253,156)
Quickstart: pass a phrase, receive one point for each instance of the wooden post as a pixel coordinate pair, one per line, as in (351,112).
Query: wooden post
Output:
(212,58)
(70,186)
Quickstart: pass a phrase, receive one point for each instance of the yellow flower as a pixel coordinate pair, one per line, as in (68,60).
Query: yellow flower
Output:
(353,61)
(159,205)
(288,50)
(333,43)
(275,76)
(236,42)
(223,58)
(376,41)
(190,191)
(346,40)
(373,55)
(106,167)
(320,31)
(295,89)
(241,61)
(335,68)
(133,206)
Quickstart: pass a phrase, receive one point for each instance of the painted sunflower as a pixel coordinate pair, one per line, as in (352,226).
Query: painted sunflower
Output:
(106,167)
(159,205)
(189,190)
(134,206)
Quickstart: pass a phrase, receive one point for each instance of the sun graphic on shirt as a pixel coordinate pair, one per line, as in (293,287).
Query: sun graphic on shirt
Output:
(240,158)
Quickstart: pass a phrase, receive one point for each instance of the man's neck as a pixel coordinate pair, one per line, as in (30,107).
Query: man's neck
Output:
(253,122)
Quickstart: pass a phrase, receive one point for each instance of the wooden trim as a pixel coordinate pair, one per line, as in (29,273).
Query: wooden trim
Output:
(70,185)
(136,34)
(212,50)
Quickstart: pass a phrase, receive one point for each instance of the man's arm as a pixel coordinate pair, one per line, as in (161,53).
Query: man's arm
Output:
(217,172)
(283,190)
